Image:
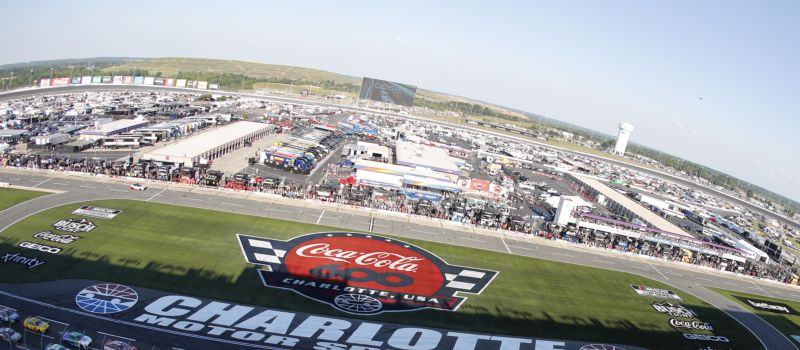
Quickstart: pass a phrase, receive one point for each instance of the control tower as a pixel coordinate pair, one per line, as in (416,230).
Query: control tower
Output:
(625,131)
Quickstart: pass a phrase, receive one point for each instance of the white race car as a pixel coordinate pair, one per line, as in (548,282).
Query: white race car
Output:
(138,187)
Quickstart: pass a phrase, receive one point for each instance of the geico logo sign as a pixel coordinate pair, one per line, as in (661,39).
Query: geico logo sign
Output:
(716,338)
(74,225)
(54,237)
(694,324)
(39,247)
(16,258)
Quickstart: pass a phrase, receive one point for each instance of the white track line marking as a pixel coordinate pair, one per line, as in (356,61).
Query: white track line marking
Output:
(155,195)
(563,254)
(192,199)
(505,245)
(704,279)
(523,248)
(604,261)
(89,187)
(639,267)
(323,214)
(233,204)
(425,232)
(116,190)
(60,184)
(659,272)
(116,336)
(48,179)
(470,239)
(763,290)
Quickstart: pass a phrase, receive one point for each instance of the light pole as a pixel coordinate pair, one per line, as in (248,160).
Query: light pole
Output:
(30,79)
(51,72)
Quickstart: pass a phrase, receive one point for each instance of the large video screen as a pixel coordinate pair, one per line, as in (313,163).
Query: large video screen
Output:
(388,91)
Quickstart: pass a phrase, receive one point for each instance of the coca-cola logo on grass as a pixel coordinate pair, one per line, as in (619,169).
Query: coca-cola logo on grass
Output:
(362,273)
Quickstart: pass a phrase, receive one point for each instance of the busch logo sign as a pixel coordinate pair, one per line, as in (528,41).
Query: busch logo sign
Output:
(74,225)
(674,310)
(362,274)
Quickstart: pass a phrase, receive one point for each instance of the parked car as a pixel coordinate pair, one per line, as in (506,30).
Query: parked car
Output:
(36,324)
(55,347)
(118,345)
(76,339)
(9,335)
(8,315)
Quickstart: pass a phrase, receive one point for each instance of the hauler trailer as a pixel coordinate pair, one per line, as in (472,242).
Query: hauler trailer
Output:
(290,160)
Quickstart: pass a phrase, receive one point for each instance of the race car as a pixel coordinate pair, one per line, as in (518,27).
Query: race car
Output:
(8,315)
(118,345)
(77,339)
(9,335)
(55,347)
(138,187)
(36,324)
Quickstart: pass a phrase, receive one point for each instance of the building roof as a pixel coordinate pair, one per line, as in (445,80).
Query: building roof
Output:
(111,127)
(11,132)
(636,208)
(198,144)
(419,155)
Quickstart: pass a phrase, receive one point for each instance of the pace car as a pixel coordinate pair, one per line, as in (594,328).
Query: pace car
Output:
(138,187)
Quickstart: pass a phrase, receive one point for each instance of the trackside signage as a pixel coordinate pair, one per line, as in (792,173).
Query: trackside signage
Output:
(769,306)
(97,212)
(361,273)
(655,292)
(247,325)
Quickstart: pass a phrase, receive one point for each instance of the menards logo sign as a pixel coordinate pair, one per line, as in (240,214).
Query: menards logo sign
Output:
(362,273)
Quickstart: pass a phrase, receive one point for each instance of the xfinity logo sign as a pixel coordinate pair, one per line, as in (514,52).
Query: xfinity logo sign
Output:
(40,247)
(16,258)
(694,324)
(57,238)
(74,225)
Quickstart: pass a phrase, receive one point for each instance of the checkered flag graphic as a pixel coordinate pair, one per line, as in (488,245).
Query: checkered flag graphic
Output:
(262,251)
(459,279)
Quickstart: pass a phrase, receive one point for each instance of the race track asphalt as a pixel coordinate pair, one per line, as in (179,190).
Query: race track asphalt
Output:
(689,279)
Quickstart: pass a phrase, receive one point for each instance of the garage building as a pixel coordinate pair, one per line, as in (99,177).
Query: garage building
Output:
(209,145)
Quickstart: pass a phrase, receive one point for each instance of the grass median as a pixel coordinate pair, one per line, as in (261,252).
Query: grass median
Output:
(195,252)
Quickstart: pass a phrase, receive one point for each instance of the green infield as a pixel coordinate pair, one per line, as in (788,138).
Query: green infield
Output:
(10,197)
(780,313)
(196,252)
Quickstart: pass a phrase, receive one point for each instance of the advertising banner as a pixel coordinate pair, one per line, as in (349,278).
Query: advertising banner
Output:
(169,82)
(97,212)
(97,79)
(158,81)
(86,80)
(60,81)
(769,306)
(117,79)
(44,82)
(655,292)
(138,80)
(191,84)
(127,79)
(202,85)
(76,80)
(149,80)
(107,79)
(181,83)
(213,86)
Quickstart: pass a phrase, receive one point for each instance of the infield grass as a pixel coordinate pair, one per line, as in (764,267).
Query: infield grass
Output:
(787,324)
(10,197)
(195,252)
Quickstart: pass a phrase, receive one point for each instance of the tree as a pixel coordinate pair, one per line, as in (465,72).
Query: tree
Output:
(749,193)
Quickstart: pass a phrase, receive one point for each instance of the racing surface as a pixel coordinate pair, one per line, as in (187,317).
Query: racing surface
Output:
(688,279)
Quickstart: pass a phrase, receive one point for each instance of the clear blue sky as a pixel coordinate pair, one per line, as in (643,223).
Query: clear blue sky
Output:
(592,63)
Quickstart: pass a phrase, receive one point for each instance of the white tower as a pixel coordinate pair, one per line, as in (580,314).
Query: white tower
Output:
(625,131)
